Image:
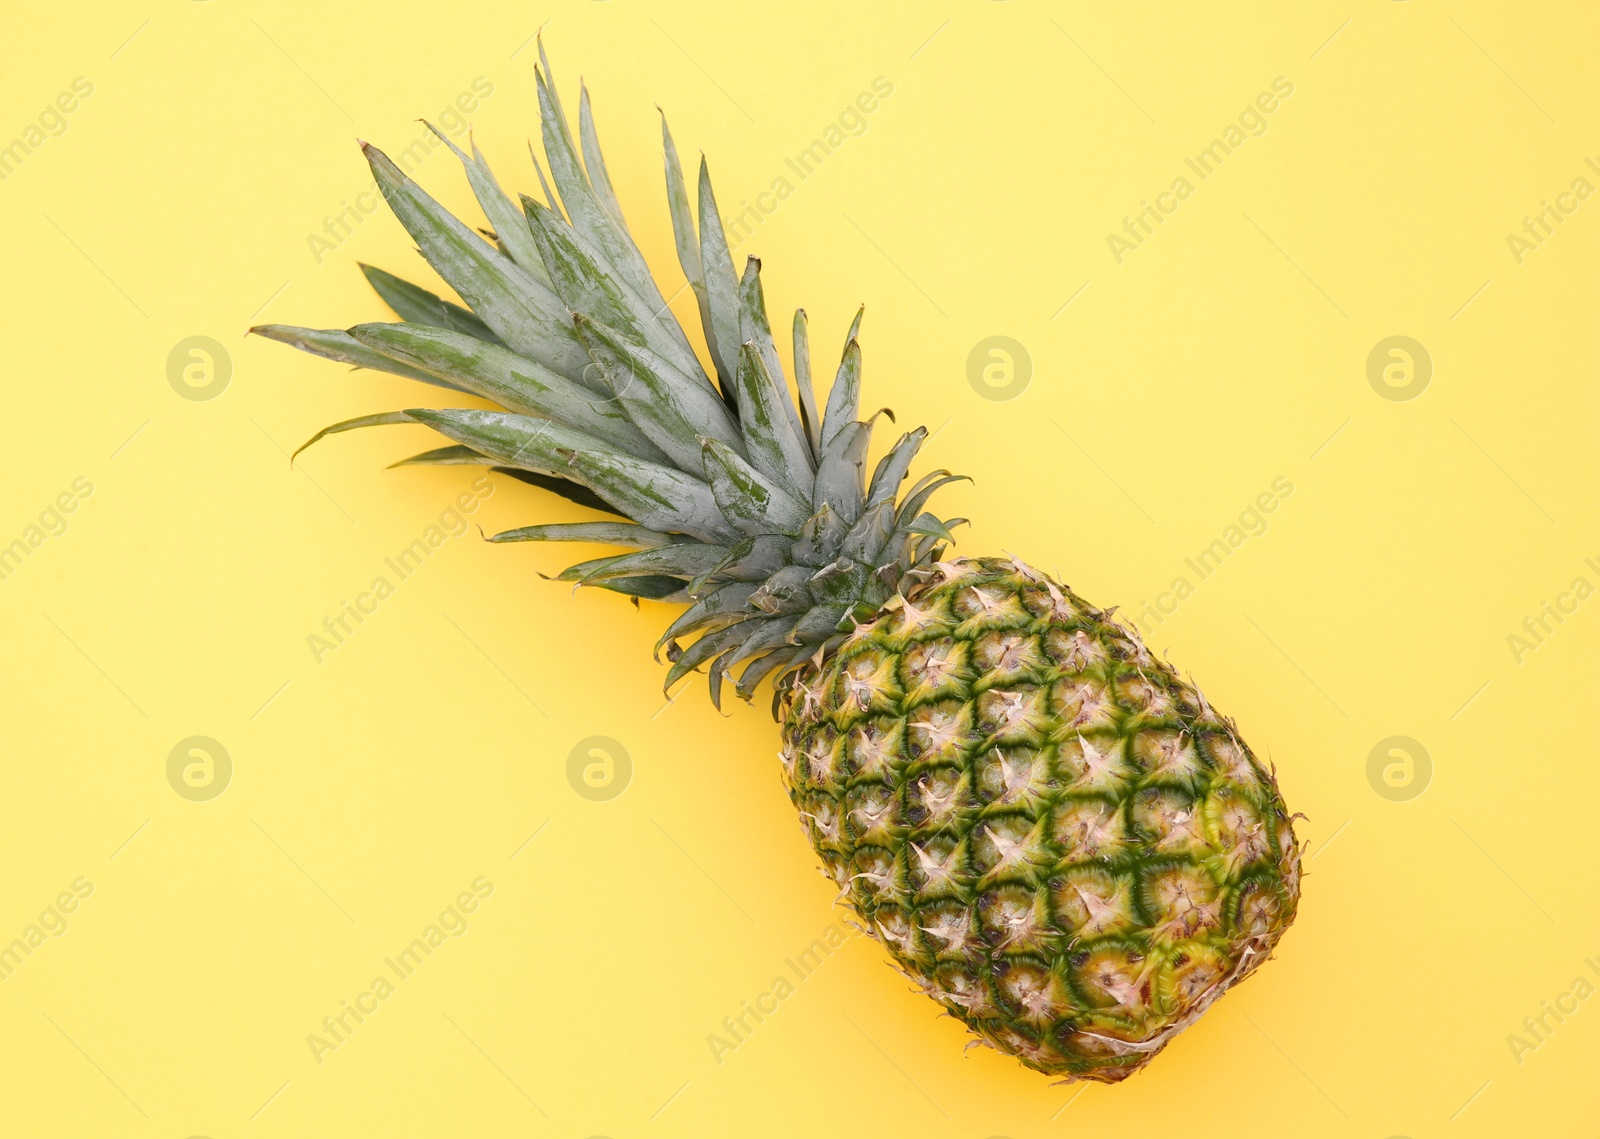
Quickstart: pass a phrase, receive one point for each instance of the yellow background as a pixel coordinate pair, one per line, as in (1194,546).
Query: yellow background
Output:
(370,789)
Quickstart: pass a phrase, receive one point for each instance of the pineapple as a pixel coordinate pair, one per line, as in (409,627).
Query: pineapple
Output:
(1050,831)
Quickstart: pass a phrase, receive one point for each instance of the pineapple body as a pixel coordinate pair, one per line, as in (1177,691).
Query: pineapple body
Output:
(1050,831)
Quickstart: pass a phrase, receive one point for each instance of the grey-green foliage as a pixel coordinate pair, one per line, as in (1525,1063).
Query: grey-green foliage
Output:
(743,499)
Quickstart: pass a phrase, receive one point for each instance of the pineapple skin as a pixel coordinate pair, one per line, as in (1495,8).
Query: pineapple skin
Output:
(1051,832)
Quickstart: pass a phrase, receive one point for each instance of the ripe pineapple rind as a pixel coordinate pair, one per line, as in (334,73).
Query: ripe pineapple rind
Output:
(1051,832)
(742,497)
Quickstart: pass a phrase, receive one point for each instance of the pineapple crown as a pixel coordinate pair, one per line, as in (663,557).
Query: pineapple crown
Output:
(747,503)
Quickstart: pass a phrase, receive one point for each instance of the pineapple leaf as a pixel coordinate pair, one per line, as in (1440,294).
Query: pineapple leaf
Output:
(817,623)
(655,496)
(419,306)
(550,198)
(523,313)
(600,533)
(573,492)
(711,645)
(676,559)
(717,673)
(892,468)
(919,494)
(589,288)
(594,162)
(506,216)
(784,592)
(870,534)
(516,383)
(754,559)
(819,539)
(582,279)
(753,503)
(780,662)
(761,637)
(772,447)
(720,607)
(722,288)
(855,326)
(381,419)
(754,329)
(512,440)
(838,583)
(688,246)
(844,398)
(550,76)
(582,204)
(509,224)
(683,232)
(671,408)
(802,385)
(336,344)
(455,455)
(839,483)
(651,588)
(928,524)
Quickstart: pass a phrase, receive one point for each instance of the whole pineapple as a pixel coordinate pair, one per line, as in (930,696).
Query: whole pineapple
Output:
(1052,833)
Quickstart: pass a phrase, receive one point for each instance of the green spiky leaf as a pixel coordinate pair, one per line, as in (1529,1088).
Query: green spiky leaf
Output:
(522,311)
(420,306)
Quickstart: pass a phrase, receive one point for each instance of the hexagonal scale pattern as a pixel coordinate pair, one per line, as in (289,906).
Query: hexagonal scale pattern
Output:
(1052,833)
